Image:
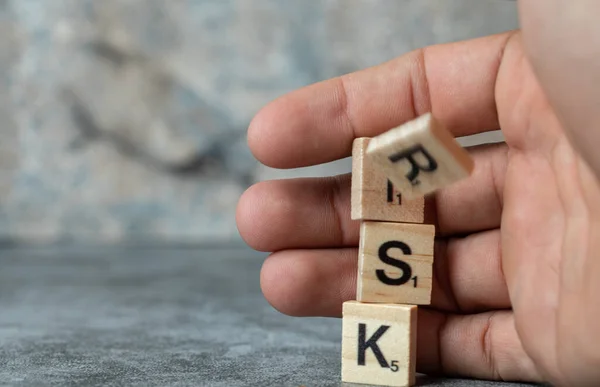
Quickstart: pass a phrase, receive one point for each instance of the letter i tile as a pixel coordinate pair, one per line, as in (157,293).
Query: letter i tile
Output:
(374,197)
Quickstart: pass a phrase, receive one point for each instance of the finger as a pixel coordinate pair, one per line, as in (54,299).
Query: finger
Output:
(467,278)
(318,123)
(480,346)
(468,274)
(315,212)
(297,213)
(310,282)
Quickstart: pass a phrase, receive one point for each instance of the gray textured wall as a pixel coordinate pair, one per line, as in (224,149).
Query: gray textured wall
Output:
(125,120)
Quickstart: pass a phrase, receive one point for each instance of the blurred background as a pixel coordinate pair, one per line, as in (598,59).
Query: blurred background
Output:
(124,121)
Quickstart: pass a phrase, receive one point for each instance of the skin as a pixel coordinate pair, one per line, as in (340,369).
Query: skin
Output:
(515,293)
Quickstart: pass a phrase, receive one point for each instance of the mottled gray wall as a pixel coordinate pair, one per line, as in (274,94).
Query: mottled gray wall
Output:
(125,120)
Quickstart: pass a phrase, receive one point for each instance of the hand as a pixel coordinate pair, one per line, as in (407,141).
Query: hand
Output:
(516,266)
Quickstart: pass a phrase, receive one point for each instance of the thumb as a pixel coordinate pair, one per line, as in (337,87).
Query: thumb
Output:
(562,41)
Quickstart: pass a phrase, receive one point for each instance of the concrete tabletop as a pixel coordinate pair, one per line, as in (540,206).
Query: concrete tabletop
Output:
(157,316)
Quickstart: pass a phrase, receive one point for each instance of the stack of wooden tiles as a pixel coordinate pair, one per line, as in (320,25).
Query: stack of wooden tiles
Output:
(391,176)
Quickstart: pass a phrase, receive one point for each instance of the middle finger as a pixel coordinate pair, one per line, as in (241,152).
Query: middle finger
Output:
(467,278)
(315,212)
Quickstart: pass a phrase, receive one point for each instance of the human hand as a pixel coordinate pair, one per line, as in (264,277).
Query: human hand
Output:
(515,267)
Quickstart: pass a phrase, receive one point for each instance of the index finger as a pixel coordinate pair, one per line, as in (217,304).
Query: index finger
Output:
(318,123)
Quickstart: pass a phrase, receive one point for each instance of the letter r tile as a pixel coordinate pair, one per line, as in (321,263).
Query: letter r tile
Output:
(420,157)
(395,263)
(379,344)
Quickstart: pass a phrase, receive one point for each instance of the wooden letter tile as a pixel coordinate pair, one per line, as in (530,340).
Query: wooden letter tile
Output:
(420,157)
(379,343)
(374,197)
(395,263)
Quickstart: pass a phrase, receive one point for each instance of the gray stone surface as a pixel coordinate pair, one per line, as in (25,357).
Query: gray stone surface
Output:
(157,317)
(126,119)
